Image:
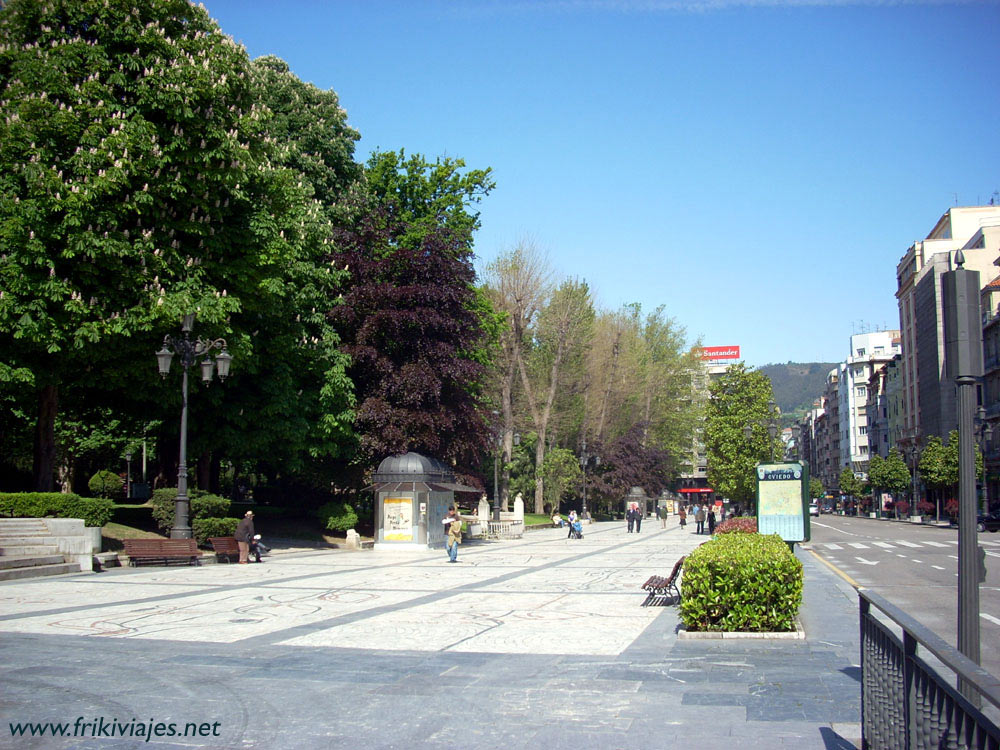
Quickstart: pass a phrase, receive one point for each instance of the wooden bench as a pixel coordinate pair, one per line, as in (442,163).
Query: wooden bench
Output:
(659,587)
(161,550)
(224,547)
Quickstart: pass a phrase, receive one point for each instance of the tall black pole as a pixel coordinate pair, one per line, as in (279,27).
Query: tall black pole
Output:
(964,363)
(182,525)
(496,485)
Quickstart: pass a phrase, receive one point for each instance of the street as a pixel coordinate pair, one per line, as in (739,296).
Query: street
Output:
(916,568)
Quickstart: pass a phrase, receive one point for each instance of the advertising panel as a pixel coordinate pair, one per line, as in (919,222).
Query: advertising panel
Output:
(720,352)
(397,517)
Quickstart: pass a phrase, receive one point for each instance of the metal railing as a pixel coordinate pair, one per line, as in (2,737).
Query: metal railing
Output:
(905,703)
(504,529)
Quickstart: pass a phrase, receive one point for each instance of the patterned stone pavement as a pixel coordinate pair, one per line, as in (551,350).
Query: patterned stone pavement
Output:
(540,640)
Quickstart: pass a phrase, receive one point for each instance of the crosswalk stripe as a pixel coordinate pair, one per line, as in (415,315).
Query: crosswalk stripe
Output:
(884,545)
(831,545)
(906,544)
(858,545)
(935,544)
(989,544)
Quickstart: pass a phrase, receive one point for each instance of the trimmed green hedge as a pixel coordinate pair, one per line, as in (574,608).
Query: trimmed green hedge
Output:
(203,528)
(107,484)
(337,515)
(741,582)
(93,510)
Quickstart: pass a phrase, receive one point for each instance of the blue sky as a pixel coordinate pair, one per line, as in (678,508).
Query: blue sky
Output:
(758,167)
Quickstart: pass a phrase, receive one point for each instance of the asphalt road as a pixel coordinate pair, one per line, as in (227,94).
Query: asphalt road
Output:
(916,568)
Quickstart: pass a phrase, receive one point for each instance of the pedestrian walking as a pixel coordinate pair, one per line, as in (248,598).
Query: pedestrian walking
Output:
(630,518)
(572,520)
(638,519)
(699,519)
(663,516)
(244,533)
(711,520)
(683,516)
(453,523)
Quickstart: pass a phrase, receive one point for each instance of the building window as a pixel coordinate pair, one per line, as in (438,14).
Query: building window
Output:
(862,430)
(862,390)
(861,352)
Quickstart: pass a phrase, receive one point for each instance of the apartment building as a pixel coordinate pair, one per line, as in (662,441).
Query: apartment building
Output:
(927,398)
(868,351)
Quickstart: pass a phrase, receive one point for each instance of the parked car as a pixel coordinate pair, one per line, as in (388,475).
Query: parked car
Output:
(813,509)
(990,522)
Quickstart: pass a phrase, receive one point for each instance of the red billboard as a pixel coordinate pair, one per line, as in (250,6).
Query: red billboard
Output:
(720,352)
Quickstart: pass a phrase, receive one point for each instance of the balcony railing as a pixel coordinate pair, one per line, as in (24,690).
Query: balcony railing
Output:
(905,703)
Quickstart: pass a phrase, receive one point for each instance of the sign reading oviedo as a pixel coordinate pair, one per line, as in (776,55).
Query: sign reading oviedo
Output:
(720,352)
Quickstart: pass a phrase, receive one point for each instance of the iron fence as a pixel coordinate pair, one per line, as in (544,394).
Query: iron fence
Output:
(905,703)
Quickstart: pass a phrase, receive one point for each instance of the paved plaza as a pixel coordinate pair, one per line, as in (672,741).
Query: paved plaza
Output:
(541,642)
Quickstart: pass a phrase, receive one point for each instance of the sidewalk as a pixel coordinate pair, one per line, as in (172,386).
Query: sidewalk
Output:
(540,642)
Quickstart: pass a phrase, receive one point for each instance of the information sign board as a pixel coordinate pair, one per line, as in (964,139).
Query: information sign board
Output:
(783,501)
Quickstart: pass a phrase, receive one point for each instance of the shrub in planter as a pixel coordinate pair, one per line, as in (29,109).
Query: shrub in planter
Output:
(337,515)
(902,507)
(925,508)
(739,525)
(741,582)
(107,484)
(204,528)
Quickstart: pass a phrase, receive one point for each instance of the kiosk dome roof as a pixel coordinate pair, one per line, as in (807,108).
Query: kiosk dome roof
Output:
(413,467)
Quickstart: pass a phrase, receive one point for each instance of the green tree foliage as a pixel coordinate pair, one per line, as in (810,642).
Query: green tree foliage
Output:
(932,464)
(737,399)
(421,196)
(849,483)
(139,181)
(816,488)
(561,473)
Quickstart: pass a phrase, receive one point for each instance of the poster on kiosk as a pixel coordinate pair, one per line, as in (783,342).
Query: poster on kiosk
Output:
(783,501)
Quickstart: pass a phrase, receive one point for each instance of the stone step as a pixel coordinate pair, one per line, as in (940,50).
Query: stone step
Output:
(8,562)
(20,550)
(14,541)
(37,571)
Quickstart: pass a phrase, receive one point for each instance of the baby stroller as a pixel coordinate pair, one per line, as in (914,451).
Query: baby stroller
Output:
(576,530)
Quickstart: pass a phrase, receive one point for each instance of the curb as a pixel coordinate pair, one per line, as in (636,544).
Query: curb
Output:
(799,634)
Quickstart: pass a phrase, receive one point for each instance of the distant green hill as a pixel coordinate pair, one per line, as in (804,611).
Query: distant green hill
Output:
(797,384)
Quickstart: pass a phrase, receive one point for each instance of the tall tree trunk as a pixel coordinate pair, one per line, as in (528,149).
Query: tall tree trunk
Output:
(541,419)
(45,439)
(507,409)
(615,351)
(203,470)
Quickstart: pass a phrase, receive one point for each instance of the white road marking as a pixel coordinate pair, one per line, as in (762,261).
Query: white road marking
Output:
(863,561)
(883,545)
(831,545)
(916,560)
(899,555)
(906,544)
(992,554)
(937,567)
(991,618)
(953,557)
(936,544)
(991,544)
(858,545)
(832,528)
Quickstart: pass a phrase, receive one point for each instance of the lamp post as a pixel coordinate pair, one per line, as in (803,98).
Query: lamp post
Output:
(497,444)
(584,463)
(913,453)
(189,350)
(128,475)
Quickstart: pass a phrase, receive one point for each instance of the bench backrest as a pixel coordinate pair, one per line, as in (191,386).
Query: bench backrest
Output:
(224,543)
(677,569)
(160,546)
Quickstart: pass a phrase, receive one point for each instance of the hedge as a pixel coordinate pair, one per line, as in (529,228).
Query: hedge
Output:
(93,510)
(741,582)
(203,528)
(337,515)
(107,484)
(203,505)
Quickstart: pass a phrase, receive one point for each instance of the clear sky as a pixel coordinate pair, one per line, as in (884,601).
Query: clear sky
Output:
(758,167)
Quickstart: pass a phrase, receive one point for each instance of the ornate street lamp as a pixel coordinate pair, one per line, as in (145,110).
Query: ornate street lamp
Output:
(128,475)
(189,350)
(771,426)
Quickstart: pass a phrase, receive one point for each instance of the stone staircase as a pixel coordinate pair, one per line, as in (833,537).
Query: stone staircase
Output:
(33,547)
